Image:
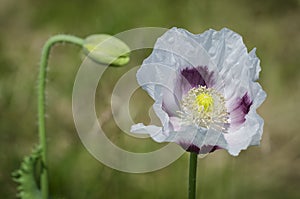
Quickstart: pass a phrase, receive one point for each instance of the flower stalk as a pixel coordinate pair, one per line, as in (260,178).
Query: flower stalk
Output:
(41,102)
(193,175)
(105,49)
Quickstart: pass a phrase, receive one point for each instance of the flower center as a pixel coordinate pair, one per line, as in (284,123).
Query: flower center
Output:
(204,107)
(204,101)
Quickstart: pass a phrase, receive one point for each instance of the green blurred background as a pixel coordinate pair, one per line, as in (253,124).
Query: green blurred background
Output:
(271,170)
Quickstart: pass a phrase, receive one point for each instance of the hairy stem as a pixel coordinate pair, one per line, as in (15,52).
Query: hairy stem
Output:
(192,175)
(41,101)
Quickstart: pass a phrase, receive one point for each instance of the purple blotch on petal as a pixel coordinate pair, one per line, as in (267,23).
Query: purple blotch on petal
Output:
(203,150)
(240,110)
(193,148)
(197,76)
(245,103)
(193,76)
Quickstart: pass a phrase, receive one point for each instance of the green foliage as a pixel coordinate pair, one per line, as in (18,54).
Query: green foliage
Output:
(26,176)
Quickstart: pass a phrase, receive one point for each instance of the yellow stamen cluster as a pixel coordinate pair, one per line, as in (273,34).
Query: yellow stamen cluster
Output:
(204,107)
(204,102)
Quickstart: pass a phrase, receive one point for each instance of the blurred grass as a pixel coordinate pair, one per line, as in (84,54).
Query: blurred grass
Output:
(269,171)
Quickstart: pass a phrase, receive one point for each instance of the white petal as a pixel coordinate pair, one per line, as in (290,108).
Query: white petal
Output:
(198,136)
(255,63)
(249,134)
(159,134)
(251,131)
(154,131)
(151,75)
(178,48)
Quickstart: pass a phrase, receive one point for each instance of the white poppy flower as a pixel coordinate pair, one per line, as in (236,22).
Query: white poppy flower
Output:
(205,91)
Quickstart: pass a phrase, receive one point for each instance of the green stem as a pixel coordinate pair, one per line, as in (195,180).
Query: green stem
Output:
(41,101)
(193,175)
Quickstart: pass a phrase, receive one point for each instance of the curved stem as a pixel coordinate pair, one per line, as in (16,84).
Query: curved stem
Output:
(41,101)
(192,175)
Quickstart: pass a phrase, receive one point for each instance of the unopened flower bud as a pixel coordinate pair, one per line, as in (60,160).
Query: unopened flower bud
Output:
(106,49)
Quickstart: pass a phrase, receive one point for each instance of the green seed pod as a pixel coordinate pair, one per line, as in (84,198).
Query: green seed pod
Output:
(106,49)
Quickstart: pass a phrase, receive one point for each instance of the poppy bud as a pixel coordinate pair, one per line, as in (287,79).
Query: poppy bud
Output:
(106,49)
